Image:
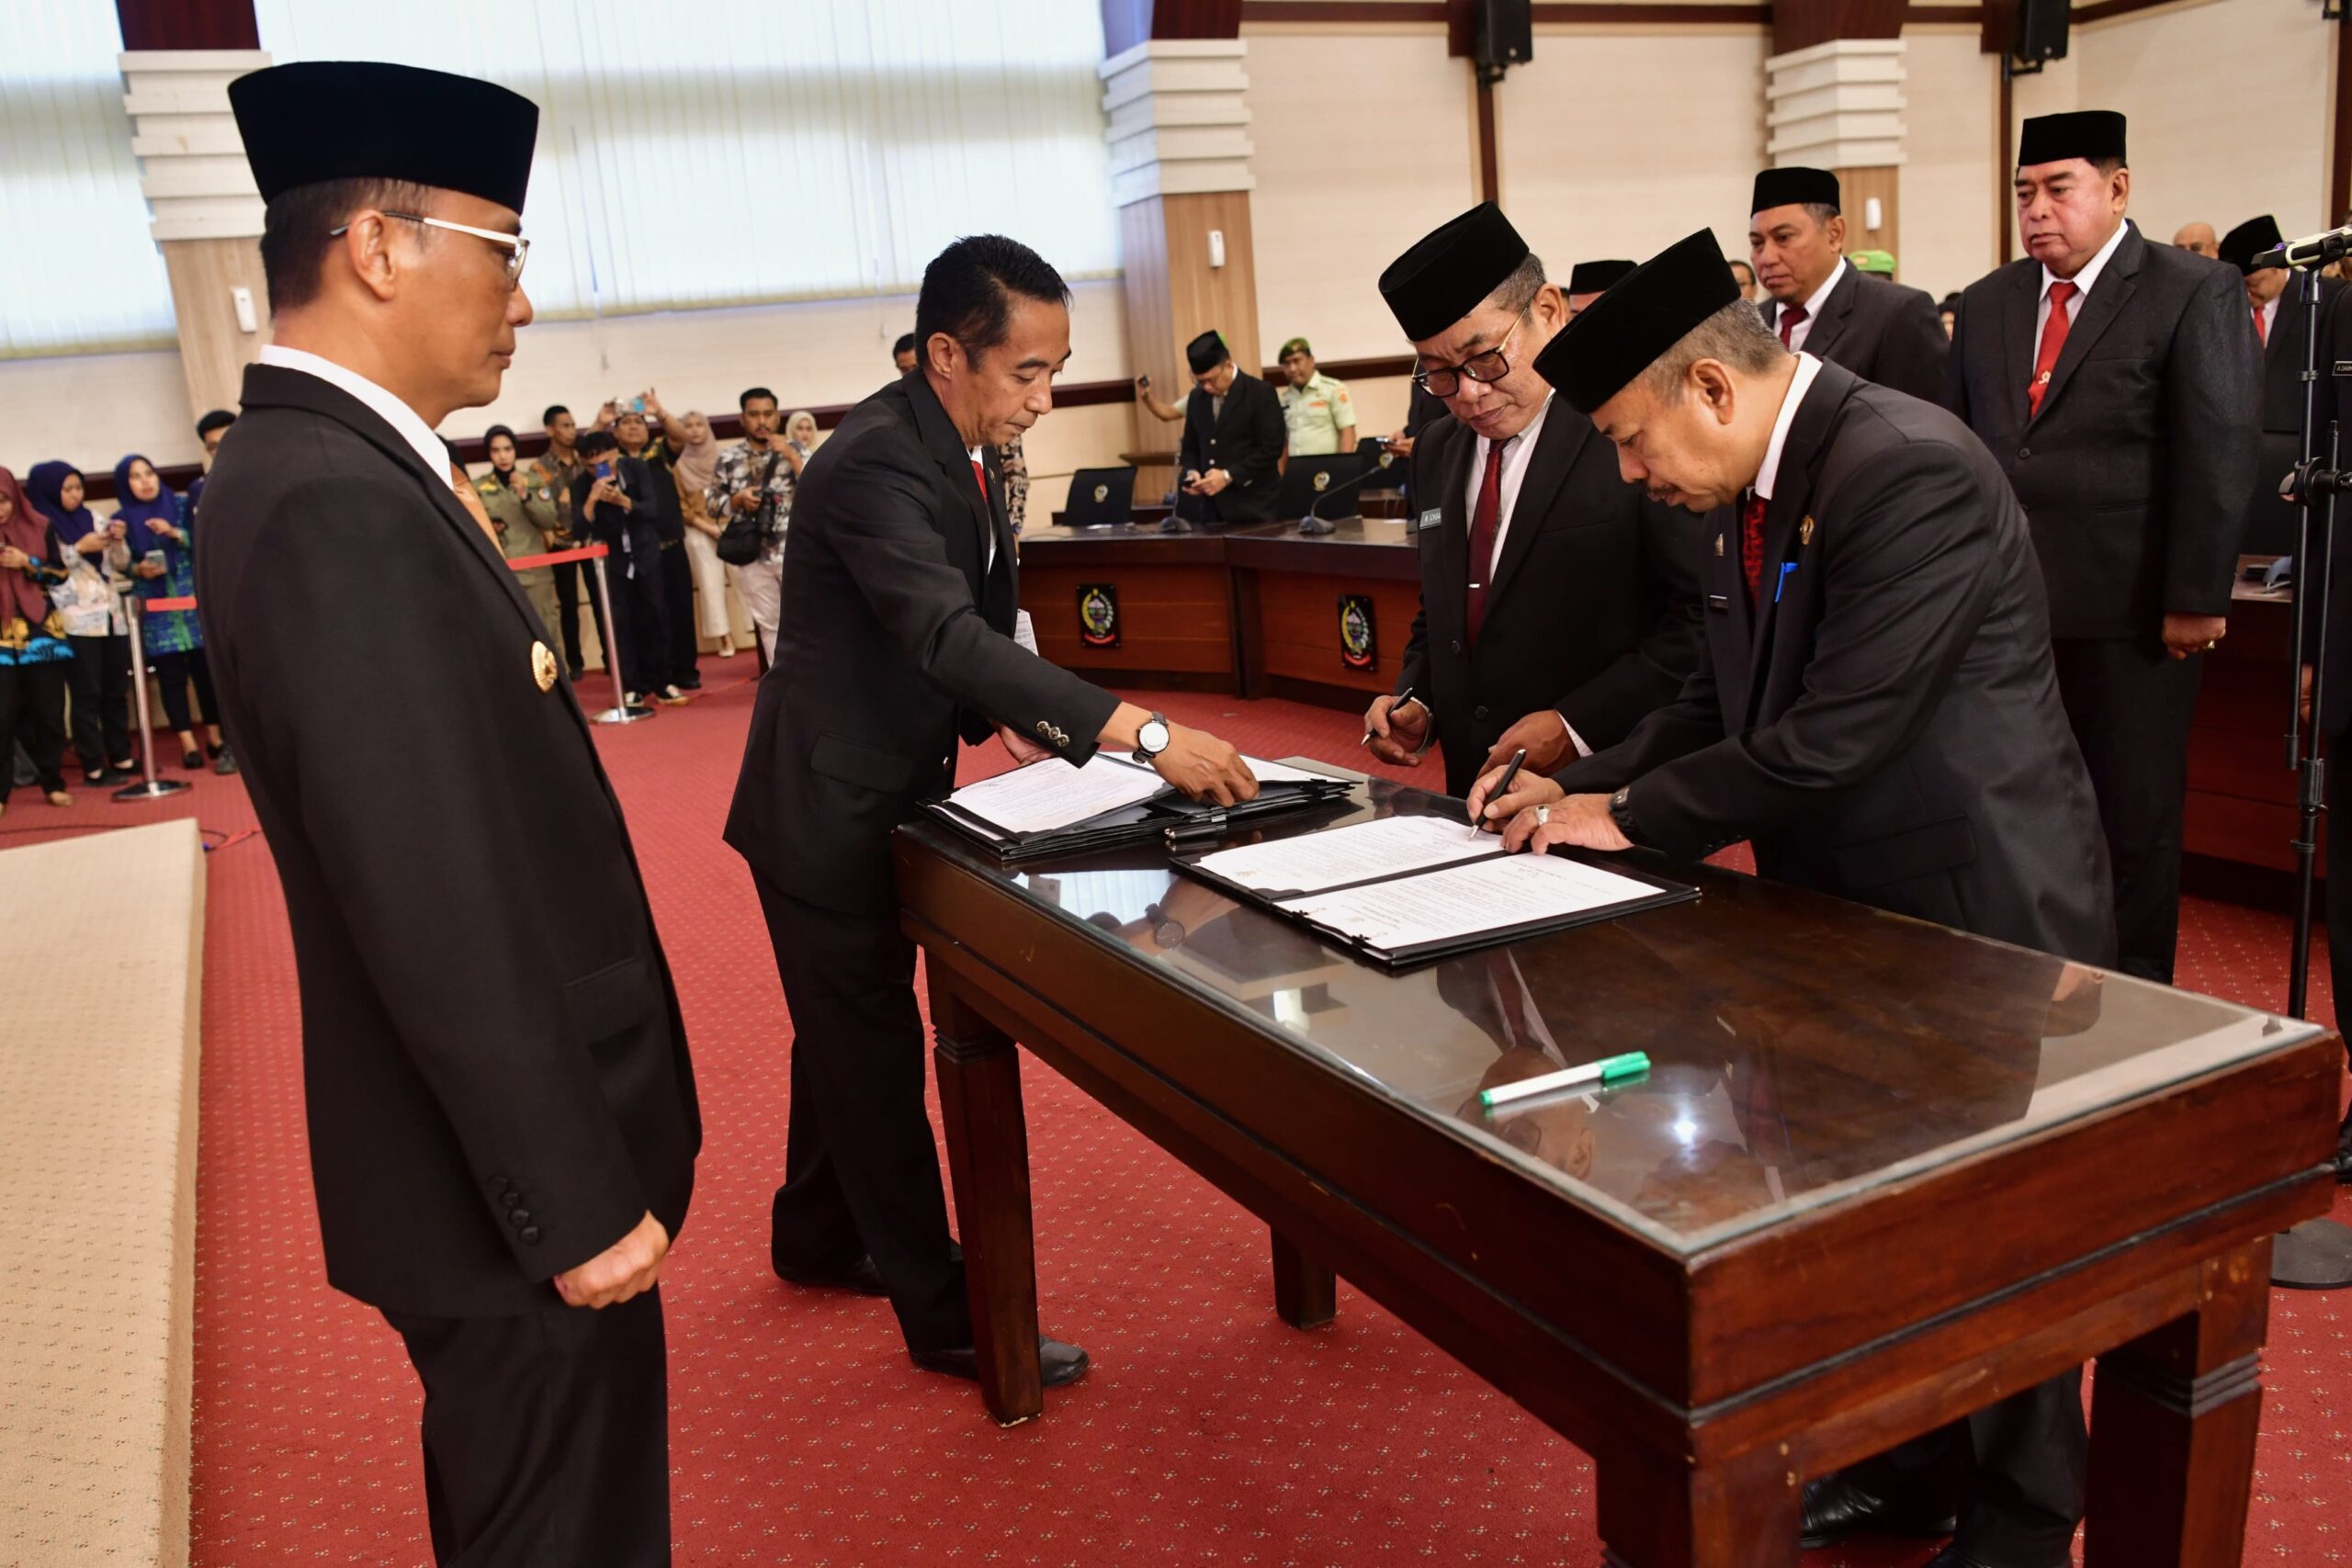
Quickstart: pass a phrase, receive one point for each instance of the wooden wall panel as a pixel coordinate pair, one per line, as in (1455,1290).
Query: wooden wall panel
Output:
(1856,187)
(214,351)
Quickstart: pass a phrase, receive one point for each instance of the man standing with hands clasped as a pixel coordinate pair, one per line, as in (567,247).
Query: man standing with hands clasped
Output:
(503,1123)
(899,595)
(1876,711)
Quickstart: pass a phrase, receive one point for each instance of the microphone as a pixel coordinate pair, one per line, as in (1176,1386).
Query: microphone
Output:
(1313,524)
(2313,250)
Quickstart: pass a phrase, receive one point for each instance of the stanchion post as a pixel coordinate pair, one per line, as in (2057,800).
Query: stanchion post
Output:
(151,787)
(622,711)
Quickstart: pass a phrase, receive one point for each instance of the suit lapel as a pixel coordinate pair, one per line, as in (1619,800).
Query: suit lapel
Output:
(1822,342)
(1453,522)
(1785,538)
(955,460)
(1556,448)
(2100,309)
(2018,309)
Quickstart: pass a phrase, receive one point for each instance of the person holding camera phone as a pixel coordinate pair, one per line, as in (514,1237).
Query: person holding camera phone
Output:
(612,503)
(756,478)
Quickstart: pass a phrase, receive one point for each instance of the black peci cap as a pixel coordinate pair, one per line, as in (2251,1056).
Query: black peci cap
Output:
(2094,134)
(338,120)
(1631,327)
(1206,351)
(1593,276)
(2249,240)
(1794,186)
(1449,271)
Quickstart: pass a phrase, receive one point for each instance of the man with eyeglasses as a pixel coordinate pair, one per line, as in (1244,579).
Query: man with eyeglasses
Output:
(1558,607)
(503,1123)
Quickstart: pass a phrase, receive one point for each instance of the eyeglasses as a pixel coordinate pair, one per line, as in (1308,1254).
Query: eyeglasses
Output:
(1486,366)
(517,249)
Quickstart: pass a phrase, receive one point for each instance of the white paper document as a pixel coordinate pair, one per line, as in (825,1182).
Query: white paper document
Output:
(1312,862)
(1463,901)
(1050,794)
(1274,773)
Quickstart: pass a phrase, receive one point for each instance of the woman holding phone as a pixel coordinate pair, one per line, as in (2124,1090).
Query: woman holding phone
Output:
(163,557)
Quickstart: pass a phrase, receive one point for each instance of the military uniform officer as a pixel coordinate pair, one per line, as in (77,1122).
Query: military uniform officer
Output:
(1316,410)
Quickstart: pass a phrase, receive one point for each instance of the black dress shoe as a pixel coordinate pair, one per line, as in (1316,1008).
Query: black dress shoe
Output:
(1836,1508)
(861,1275)
(1057,1363)
(1952,1557)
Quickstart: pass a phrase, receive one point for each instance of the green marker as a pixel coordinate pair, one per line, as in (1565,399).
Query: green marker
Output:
(1606,1071)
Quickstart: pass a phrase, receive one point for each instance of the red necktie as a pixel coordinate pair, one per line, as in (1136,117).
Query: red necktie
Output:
(981,476)
(2261,327)
(1484,519)
(1751,543)
(1790,316)
(2053,338)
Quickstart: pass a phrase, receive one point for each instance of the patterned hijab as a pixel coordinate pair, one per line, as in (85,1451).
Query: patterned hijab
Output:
(27,529)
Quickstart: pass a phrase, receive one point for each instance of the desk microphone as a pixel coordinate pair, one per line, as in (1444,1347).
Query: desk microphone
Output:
(2313,250)
(1315,525)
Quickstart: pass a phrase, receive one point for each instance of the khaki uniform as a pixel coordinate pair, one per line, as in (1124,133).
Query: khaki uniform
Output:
(1316,413)
(524,511)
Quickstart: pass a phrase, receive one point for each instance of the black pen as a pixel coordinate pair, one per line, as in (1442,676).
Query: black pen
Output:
(1402,698)
(1502,787)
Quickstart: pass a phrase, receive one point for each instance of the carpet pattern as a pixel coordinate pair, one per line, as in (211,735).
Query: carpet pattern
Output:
(1209,1433)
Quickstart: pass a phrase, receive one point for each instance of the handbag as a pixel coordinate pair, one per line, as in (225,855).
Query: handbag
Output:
(746,532)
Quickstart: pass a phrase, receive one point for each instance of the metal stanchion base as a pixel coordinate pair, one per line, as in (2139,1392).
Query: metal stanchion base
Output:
(146,790)
(628,713)
(2314,1256)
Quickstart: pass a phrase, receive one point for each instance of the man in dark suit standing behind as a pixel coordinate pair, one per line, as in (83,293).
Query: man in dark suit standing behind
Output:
(1877,712)
(899,595)
(1229,461)
(1821,303)
(503,1123)
(2272,526)
(2118,384)
(1558,606)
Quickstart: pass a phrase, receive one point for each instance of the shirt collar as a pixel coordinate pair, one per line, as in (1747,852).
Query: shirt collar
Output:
(1807,368)
(2084,280)
(404,419)
(1821,295)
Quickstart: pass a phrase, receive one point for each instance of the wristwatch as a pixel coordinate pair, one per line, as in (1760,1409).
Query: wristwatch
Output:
(1166,930)
(1151,738)
(1620,812)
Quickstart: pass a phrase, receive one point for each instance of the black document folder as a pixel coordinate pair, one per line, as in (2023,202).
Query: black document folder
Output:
(1165,817)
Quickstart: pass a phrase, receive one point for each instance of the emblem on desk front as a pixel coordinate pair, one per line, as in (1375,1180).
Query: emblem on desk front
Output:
(1359,638)
(1322,479)
(1101,494)
(1098,615)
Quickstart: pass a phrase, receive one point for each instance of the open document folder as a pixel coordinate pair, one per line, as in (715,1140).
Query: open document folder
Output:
(1050,808)
(1404,890)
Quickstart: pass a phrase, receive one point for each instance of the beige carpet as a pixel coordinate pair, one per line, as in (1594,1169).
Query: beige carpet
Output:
(101,974)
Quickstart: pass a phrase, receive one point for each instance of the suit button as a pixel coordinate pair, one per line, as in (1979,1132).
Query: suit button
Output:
(518,1216)
(1479,712)
(496,1182)
(510,1198)
(530,1235)
(2024,452)
(1457,645)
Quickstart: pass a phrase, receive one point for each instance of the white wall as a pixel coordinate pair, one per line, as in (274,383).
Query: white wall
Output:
(1950,225)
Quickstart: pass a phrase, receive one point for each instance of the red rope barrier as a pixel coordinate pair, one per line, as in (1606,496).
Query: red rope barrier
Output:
(152,605)
(590,552)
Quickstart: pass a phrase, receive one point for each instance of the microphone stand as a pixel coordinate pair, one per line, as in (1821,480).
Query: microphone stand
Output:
(2317,1254)
(1314,525)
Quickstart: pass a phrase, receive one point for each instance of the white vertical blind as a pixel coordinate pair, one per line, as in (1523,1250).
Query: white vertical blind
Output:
(79,271)
(765,149)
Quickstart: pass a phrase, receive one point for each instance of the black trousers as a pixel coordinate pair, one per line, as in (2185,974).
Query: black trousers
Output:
(2130,704)
(547,1437)
(32,709)
(678,608)
(861,1171)
(640,624)
(101,687)
(175,672)
(2014,1472)
(573,579)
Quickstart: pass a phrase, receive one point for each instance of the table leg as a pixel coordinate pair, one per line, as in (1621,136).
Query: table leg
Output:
(1661,1511)
(1307,1295)
(988,1159)
(2173,1417)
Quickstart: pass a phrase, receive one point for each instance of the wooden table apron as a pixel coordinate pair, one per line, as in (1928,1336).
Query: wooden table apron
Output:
(1707,1387)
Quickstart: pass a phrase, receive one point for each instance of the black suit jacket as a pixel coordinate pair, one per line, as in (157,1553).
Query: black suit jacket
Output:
(1594,606)
(1881,331)
(1889,730)
(2136,470)
(633,534)
(2273,526)
(1246,441)
(896,639)
(493,1063)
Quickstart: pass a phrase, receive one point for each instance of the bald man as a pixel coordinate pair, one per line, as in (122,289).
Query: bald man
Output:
(2201,238)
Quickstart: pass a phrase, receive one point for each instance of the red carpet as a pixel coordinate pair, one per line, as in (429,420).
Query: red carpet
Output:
(1208,1434)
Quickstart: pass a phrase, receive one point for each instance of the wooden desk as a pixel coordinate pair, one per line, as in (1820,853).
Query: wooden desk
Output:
(1175,605)
(1881,1174)
(2241,804)
(1287,592)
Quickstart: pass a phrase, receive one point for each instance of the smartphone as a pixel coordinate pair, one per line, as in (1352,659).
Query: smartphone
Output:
(636,405)
(605,469)
(153,557)
(1144,382)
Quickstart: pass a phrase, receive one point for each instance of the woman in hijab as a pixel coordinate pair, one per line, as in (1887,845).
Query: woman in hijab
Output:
(521,511)
(34,654)
(696,467)
(97,566)
(163,556)
(800,434)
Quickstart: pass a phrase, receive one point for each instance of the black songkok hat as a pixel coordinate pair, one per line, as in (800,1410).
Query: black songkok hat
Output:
(338,120)
(2249,240)
(1629,328)
(1591,278)
(1794,186)
(1451,270)
(1206,351)
(2094,134)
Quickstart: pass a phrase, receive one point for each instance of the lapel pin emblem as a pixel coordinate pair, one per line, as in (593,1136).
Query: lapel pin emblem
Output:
(1804,532)
(543,666)
(1719,545)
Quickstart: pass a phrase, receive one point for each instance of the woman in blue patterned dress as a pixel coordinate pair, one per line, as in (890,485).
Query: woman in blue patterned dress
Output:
(163,557)
(34,655)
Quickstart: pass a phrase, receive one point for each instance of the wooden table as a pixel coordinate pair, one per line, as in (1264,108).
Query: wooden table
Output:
(1288,591)
(1881,1174)
(2241,802)
(1175,625)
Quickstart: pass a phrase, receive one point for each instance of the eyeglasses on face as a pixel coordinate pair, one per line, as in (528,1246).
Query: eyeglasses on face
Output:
(1484,366)
(517,249)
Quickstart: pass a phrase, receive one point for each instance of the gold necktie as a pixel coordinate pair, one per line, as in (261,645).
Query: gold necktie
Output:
(473,503)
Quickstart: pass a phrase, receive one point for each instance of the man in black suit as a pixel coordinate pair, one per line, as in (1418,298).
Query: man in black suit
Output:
(2271,524)
(1821,303)
(614,503)
(2118,384)
(899,596)
(1877,713)
(1230,460)
(1557,606)
(503,1123)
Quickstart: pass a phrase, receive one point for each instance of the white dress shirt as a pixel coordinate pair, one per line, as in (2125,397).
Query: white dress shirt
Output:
(991,564)
(2270,316)
(2084,281)
(1803,329)
(405,421)
(1807,368)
